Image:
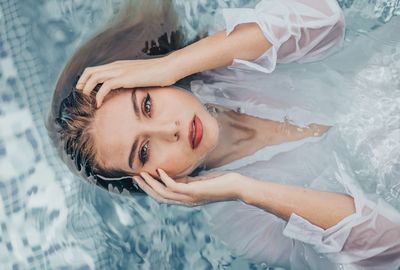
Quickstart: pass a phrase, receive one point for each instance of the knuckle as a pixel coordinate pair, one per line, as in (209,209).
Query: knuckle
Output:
(173,188)
(159,189)
(105,85)
(162,193)
(169,194)
(93,79)
(87,70)
(96,77)
(108,84)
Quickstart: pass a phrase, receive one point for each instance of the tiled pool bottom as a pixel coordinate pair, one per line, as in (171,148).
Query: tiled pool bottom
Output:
(50,220)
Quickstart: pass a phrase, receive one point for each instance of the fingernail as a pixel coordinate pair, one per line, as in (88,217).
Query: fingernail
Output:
(158,172)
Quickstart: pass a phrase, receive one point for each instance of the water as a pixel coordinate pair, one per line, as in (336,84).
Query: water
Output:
(51,220)
(374,139)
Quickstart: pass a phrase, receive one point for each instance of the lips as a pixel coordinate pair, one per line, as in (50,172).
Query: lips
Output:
(195,132)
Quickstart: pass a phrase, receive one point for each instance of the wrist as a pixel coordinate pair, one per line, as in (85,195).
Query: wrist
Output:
(169,69)
(246,189)
(177,66)
(208,53)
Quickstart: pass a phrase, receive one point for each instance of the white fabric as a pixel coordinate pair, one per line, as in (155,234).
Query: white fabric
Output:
(299,30)
(368,239)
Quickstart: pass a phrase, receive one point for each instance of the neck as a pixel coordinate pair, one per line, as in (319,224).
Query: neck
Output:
(236,135)
(242,135)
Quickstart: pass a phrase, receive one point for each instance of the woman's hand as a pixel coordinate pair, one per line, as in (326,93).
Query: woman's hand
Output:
(246,42)
(191,191)
(126,74)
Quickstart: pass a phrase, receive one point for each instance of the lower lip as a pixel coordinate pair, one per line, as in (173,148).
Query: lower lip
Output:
(198,132)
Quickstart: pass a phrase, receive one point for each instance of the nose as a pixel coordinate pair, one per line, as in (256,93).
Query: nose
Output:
(165,130)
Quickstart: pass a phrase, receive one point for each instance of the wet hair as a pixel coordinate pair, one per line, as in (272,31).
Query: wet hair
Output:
(141,30)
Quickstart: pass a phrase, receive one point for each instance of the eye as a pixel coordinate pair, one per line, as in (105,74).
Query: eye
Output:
(147,105)
(144,153)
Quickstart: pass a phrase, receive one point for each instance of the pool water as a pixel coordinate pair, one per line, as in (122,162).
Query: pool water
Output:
(50,219)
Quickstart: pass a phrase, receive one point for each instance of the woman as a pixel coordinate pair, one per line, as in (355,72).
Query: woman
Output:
(149,126)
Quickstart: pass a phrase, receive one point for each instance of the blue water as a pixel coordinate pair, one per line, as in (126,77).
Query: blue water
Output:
(52,220)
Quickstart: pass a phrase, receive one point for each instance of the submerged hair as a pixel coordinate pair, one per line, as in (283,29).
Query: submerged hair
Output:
(141,30)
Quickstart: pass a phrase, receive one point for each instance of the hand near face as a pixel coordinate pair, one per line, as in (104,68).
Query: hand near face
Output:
(191,191)
(126,74)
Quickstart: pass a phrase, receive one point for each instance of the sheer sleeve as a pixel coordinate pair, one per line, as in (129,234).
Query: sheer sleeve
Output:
(250,232)
(299,30)
(369,238)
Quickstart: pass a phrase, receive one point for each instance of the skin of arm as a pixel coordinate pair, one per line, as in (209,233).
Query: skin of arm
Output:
(323,209)
(246,42)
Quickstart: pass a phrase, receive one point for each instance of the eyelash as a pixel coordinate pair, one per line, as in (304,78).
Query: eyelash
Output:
(145,100)
(145,157)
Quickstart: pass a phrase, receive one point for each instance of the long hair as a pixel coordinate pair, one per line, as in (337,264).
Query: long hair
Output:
(141,30)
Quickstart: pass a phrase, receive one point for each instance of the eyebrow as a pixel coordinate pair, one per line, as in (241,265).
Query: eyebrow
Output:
(135,144)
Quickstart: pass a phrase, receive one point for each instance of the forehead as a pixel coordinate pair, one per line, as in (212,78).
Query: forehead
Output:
(113,128)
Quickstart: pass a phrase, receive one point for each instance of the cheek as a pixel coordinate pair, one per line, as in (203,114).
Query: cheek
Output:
(173,161)
(181,101)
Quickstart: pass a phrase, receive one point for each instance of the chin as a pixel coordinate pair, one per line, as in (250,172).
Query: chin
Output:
(185,172)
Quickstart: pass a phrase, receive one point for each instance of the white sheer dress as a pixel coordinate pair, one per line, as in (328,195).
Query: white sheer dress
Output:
(321,92)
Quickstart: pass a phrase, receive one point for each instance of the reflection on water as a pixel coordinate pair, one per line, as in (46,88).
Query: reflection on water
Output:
(49,219)
(375,136)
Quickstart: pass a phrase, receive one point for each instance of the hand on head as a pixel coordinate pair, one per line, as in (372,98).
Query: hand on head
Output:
(126,74)
(192,191)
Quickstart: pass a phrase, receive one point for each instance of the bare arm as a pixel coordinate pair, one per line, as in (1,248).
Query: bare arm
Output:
(323,209)
(288,25)
(246,42)
(372,234)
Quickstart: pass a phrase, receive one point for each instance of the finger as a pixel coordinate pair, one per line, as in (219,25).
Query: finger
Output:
(149,191)
(163,191)
(87,72)
(157,197)
(169,182)
(105,89)
(94,80)
(156,185)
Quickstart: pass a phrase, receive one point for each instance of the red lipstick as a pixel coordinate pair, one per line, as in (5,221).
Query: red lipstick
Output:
(195,132)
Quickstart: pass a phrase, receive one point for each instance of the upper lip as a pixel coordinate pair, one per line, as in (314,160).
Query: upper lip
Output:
(192,132)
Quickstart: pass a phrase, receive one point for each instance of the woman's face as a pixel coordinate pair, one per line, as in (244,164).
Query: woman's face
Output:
(149,128)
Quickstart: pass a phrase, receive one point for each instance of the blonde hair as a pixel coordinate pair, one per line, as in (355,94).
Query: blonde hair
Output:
(139,31)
